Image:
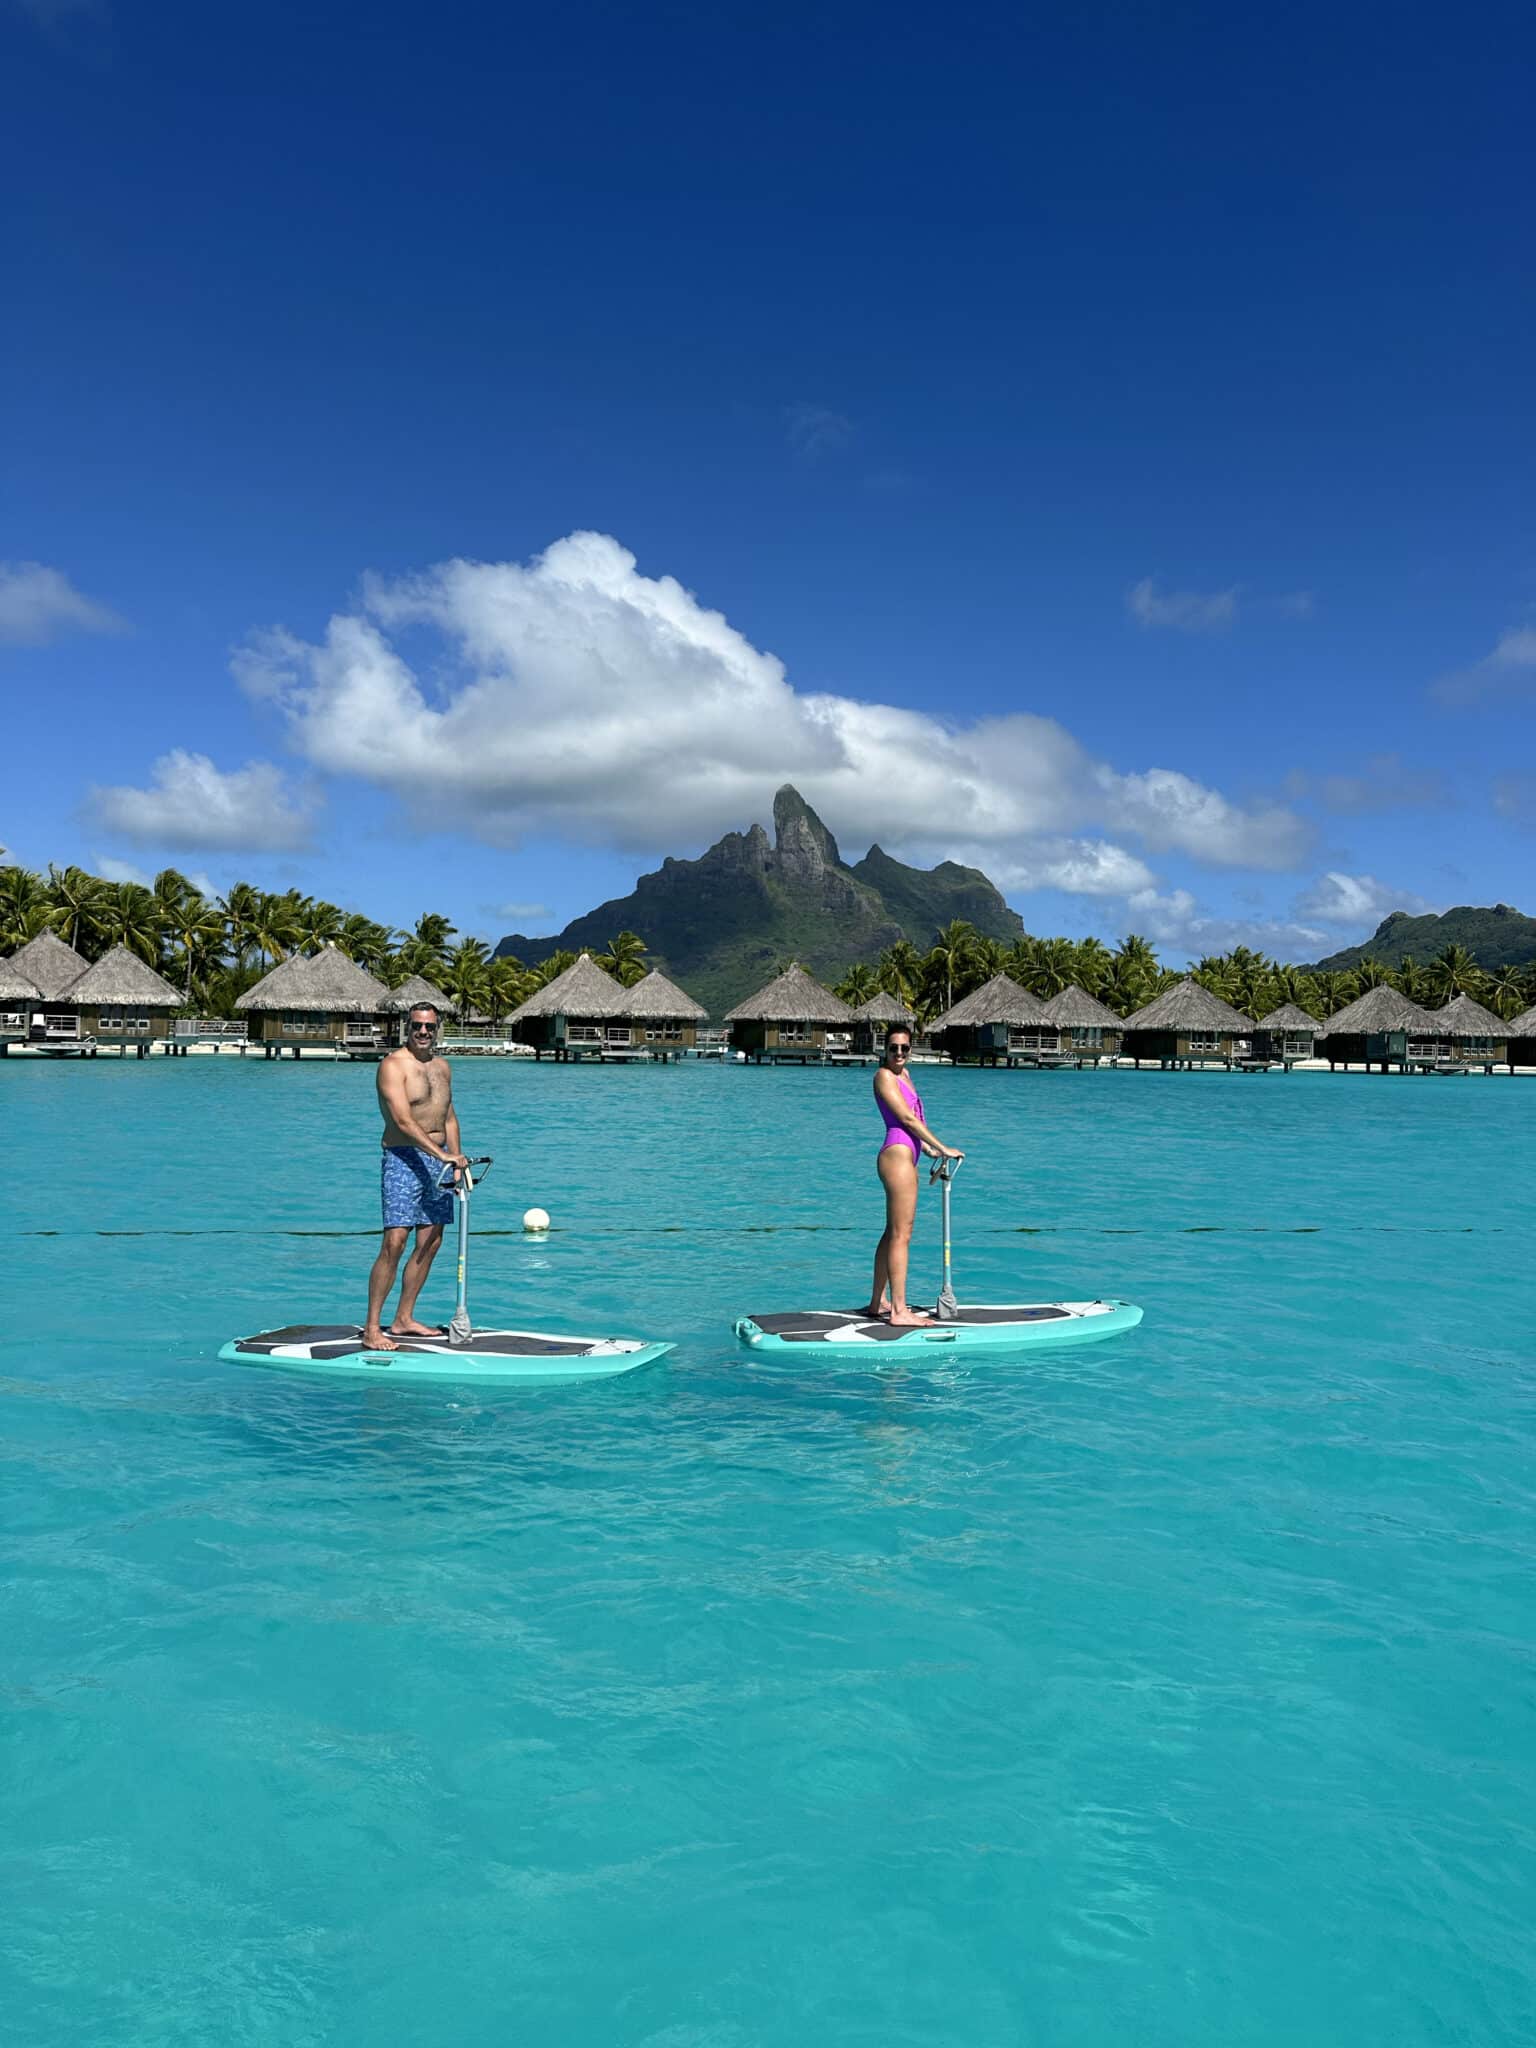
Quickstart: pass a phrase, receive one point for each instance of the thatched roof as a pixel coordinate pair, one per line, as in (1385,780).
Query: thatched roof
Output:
(1523,1026)
(1464,1018)
(48,964)
(1379,1009)
(655,999)
(791,998)
(584,991)
(15,988)
(327,981)
(1291,1017)
(1188,1006)
(998,1001)
(883,1009)
(1074,1009)
(417,989)
(122,977)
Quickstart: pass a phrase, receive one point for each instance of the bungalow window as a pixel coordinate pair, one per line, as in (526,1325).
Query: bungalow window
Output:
(1298,1045)
(120,1020)
(1480,1048)
(60,1024)
(617,1034)
(1090,1035)
(13,1020)
(664,1034)
(794,1034)
(1204,1041)
(298,1022)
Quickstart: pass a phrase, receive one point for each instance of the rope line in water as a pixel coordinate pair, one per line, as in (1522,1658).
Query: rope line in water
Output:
(861,1230)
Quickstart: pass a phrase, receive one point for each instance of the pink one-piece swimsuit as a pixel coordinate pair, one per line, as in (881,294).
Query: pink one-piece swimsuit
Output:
(895,1133)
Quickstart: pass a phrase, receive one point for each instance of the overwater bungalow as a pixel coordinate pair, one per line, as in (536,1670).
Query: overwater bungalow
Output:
(789,1019)
(122,1001)
(998,1024)
(873,1019)
(1382,1029)
(18,998)
(578,1015)
(1287,1034)
(1089,1029)
(51,968)
(315,1001)
(1186,1026)
(1520,1039)
(663,1019)
(1469,1035)
(415,989)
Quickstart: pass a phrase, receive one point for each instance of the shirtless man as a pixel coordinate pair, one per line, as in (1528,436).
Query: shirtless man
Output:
(421,1137)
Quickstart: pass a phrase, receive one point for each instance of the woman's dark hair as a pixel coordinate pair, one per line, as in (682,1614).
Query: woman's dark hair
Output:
(892,1029)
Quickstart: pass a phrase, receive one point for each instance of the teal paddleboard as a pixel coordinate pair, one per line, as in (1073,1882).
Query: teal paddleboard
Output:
(487,1358)
(985,1330)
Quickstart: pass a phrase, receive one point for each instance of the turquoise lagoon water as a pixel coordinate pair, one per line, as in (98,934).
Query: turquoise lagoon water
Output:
(1176,1690)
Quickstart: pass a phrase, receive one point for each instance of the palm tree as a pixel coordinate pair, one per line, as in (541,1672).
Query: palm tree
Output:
(509,983)
(953,955)
(467,975)
(548,970)
(625,959)
(238,909)
(1508,992)
(72,893)
(320,923)
(364,941)
(24,907)
(434,930)
(199,933)
(128,914)
(1371,973)
(415,956)
(857,985)
(274,926)
(1454,972)
(899,971)
(1091,965)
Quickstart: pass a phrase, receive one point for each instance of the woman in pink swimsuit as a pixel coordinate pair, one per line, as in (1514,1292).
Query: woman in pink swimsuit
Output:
(905,1136)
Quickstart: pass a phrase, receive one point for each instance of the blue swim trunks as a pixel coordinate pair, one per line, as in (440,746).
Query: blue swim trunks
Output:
(408,1183)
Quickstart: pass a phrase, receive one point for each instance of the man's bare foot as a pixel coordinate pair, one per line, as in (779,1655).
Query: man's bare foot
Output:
(908,1319)
(414,1329)
(375,1340)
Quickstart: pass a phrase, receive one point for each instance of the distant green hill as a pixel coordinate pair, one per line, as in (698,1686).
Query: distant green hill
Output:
(725,923)
(1499,937)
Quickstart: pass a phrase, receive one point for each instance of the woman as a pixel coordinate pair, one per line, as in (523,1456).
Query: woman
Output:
(905,1135)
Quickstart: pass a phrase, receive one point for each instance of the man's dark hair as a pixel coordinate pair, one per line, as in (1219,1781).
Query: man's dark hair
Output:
(437,1015)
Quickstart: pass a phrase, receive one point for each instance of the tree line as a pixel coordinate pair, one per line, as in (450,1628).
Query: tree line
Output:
(1128,976)
(214,948)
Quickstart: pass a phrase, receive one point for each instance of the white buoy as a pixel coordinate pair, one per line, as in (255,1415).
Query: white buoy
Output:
(535,1219)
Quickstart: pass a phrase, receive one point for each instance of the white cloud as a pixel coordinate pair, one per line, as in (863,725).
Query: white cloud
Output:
(119,870)
(38,604)
(193,806)
(1336,898)
(1509,671)
(816,430)
(515,913)
(577,696)
(1189,611)
(1080,867)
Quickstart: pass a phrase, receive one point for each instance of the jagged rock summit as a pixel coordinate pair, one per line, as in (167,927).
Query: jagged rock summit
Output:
(727,922)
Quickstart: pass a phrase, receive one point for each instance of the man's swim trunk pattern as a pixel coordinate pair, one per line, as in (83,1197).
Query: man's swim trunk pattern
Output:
(408,1182)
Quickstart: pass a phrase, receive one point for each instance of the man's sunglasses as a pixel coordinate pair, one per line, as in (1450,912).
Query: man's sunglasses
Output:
(425,1027)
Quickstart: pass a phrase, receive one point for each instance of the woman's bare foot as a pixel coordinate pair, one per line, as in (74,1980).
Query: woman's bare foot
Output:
(908,1319)
(375,1340)
(877,1314)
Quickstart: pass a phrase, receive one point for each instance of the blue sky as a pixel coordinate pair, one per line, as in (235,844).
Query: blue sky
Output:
(456,457)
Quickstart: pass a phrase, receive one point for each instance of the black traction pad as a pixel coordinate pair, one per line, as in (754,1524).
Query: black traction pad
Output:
(343,1340)
(810,1326)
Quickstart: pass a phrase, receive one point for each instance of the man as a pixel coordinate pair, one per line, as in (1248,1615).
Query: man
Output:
(421,1137)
